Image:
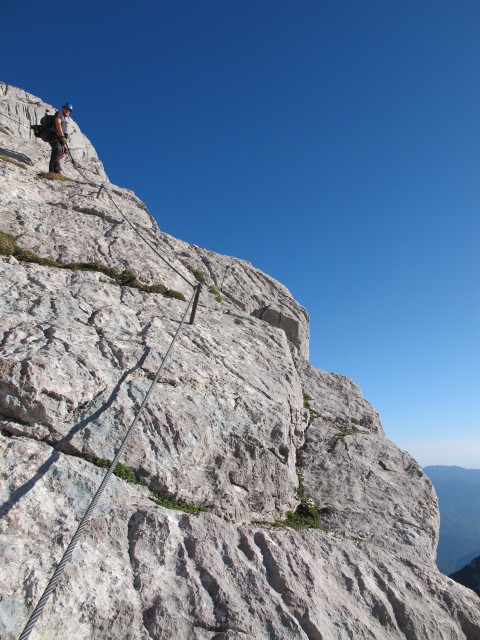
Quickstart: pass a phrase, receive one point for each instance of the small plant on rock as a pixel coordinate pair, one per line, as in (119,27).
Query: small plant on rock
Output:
(12,161)
(247,318)
(128,278)
(306,403)
(52,176)
(7,244)
(305,516)
(197,273)
(171,293)
(93,266)
(213,289)
(129,475)
(25,255)
(346,431)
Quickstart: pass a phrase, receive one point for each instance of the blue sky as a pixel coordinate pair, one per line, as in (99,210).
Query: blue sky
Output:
(332,143)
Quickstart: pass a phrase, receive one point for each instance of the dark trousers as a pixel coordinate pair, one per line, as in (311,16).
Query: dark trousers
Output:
(57,151)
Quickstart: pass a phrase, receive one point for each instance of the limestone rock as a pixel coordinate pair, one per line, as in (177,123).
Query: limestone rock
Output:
(361,480)
(77,221)
(78,358)
(226,428)
(143,572)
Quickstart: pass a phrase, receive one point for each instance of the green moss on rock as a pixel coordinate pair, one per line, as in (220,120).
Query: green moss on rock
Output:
(7,244)
(12,161)
(129,475)
(26,255)
(52,176)
(93,266)
(197,273)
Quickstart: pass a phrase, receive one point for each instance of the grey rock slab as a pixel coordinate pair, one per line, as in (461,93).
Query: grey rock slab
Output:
(98,582)
(112,224)
(144,572)
(365,484)
(221,427)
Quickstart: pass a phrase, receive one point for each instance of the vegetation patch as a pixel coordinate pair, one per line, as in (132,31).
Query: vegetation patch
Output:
(247,318)
(171,293)
(305,516)
(7,244)
(213,289)
(200,276)
(306,403)
(52,176)
(129,475)
(197,273)
(12,161)
(128,278)
(174,503)
(8,247)
(347,431)
(25,255)
(93,266)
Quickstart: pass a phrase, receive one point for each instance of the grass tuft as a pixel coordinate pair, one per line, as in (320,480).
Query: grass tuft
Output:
(197,273)
(12,161)
(157,288)
(213,289)
(305,516)
(52,176)
(129,475)
(25,255)
(306,403)
(247,318)
(7,244)
(340,435)
(171,293)
(93,266)
(128,278)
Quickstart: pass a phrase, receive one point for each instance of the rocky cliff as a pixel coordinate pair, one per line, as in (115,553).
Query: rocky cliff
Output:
(238,424)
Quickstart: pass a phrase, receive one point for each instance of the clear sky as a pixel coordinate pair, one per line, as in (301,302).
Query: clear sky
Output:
(332,143)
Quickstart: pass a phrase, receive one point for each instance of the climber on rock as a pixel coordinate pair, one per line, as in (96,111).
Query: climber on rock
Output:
(57,137)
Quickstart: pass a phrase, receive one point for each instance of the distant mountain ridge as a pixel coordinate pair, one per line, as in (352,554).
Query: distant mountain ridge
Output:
(458,491)
(469,576)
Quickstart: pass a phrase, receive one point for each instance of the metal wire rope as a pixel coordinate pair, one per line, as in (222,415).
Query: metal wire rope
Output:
(102,186)
(147,242)
(88,514)
(4,115)
(73,543)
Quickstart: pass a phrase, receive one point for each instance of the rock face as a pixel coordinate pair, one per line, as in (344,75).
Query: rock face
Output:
(225,429)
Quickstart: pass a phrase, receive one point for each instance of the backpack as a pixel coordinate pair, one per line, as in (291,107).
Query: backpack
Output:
(42,130)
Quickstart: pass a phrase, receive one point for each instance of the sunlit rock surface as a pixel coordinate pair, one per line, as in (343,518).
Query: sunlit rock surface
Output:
(226,430)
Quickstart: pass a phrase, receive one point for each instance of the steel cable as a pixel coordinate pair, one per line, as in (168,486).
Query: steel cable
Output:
(96,184)
(73,543)
(88,514)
